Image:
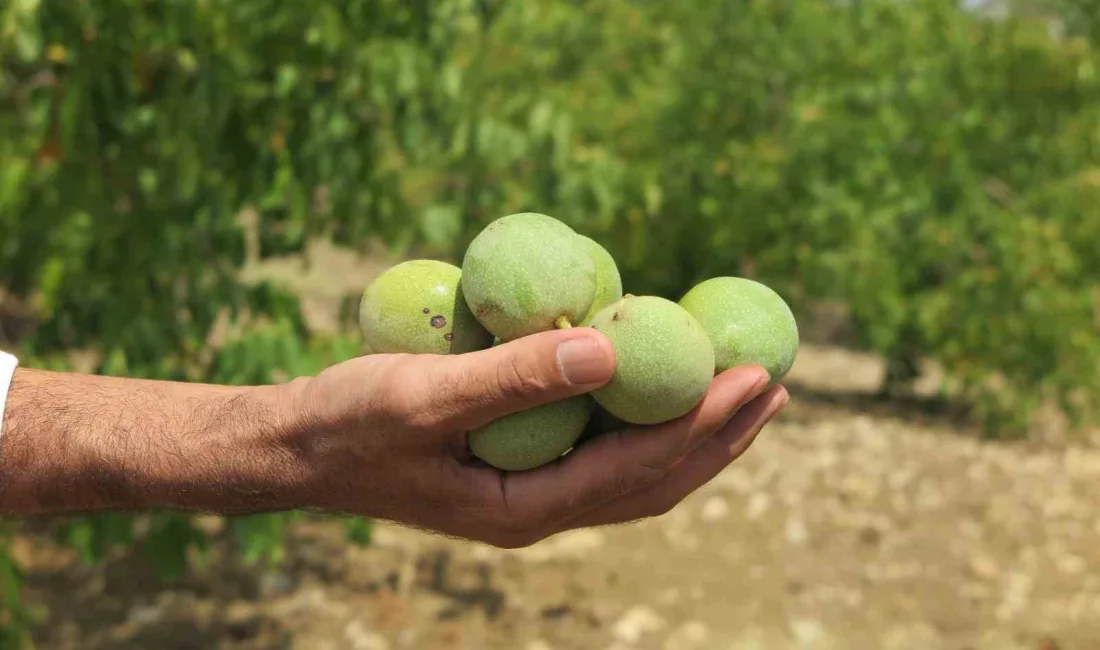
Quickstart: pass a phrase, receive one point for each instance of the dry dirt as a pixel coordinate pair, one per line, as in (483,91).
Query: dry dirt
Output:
(850,524)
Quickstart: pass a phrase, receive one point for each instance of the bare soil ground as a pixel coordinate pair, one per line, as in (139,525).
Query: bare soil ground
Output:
(846,526)
(850,524)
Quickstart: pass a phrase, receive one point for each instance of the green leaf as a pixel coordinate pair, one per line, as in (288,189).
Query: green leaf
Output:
(359,531)
(170,539)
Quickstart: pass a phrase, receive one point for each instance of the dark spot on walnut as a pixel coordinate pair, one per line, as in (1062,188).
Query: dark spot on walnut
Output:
(439,321)
(487,309)
(426,310)
(449,336)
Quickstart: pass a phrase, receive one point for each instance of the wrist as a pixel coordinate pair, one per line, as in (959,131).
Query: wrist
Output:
(285,445)
(302,429)
(312,426)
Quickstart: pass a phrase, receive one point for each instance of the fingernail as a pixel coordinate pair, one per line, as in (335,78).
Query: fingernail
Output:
(583,361)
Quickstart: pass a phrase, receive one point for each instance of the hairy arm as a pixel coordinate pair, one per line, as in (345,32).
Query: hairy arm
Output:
(83,443)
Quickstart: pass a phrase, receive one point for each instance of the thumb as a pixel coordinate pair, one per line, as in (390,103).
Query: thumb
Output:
(473,389)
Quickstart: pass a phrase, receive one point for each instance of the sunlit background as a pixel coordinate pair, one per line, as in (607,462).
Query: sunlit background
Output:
(200,189)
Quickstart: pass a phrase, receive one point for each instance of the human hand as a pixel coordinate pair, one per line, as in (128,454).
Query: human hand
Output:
(384,436)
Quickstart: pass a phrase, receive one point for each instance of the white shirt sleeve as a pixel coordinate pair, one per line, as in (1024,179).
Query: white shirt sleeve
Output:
(8,364)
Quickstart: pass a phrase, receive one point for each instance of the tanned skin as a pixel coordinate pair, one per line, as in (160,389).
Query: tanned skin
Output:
(382,436)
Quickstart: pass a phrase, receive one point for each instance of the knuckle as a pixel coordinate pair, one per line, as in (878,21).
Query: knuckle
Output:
(518,379)
(513,541)
(651,472)
(510,530)
(681,445)
(621,486)
(661,507)
(405,398)
(425,419)
(636,474)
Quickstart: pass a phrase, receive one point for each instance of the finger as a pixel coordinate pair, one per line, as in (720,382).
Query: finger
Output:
(696,470)
(469,390)
(620,462)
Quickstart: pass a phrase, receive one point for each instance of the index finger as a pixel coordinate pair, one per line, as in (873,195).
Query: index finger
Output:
(615,464)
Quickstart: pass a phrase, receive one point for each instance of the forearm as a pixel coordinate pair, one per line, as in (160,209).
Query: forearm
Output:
(81,443)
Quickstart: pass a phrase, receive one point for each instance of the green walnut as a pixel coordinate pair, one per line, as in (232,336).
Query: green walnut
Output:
(417,307)
(747,323)
(665,361)
(609,284)
(534,437)
(527,273)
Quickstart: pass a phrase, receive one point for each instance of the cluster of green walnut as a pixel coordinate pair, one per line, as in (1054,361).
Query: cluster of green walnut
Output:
(528,273)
